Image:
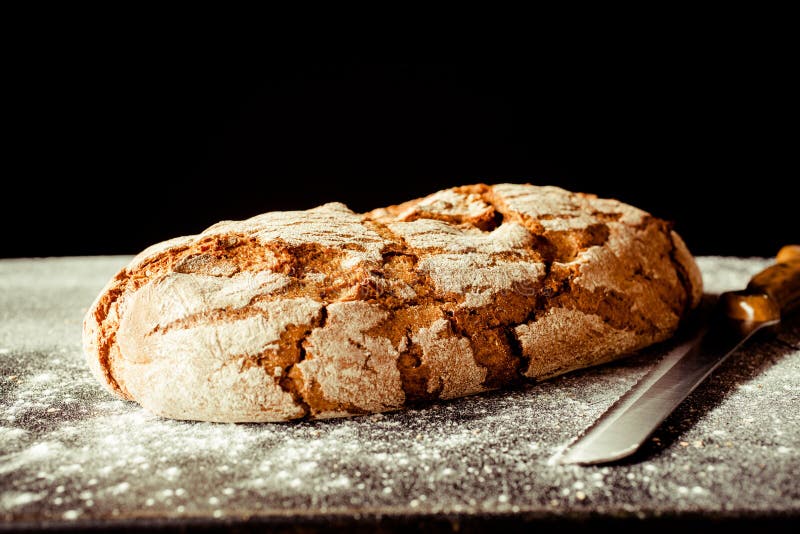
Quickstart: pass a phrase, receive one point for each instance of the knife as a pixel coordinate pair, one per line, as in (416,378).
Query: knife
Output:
(624,427)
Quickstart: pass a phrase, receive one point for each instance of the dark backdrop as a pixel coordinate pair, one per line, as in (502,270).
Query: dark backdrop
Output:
(115,150)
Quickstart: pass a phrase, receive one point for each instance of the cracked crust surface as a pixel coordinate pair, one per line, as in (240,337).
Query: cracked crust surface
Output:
(328,313)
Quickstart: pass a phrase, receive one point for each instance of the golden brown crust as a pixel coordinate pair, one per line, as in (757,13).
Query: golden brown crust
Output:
(327,313)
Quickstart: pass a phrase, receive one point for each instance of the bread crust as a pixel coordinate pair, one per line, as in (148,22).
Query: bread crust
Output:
(328,313)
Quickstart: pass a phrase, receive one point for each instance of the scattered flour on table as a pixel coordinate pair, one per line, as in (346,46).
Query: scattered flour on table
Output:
(70,452)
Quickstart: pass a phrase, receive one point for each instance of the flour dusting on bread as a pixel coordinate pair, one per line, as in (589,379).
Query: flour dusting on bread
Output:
(329,313)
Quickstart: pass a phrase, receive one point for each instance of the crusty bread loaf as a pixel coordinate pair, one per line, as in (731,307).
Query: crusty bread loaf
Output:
(328,313)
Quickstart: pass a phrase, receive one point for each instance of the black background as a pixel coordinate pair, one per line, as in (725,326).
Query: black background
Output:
(115,148)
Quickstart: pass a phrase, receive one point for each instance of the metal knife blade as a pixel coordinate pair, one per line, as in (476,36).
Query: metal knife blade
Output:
(624,427)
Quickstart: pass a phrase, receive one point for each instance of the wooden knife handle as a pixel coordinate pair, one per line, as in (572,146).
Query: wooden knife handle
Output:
(773,292)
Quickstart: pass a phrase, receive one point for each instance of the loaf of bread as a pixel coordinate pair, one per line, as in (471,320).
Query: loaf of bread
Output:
(328,313)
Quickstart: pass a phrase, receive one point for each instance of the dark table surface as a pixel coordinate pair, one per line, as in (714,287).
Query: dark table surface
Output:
(73,456)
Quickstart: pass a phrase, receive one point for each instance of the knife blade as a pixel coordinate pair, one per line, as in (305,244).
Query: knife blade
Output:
(624,427)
